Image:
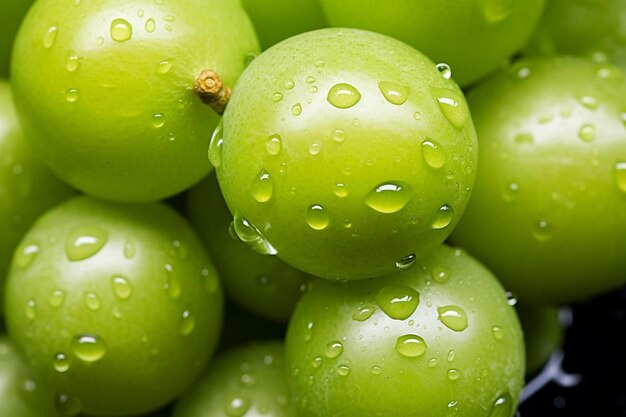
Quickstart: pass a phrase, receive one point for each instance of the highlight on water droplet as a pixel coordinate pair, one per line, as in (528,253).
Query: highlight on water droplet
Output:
(85,242)
(394,93)
(88,348)
(317,217)
(443,217)
(263,187)
(398,301)
(61,363)
(452,106)
(406,262)
(187,323)
(433,154)
(542,231)
(619,174)
(511,298)
(502,406)
(71,95)
(445,70)
(25,256)
(363,313)
(215,146)
(274,145)
(121,30)
(67,406)
(453,317)
(411,346)
(249,234)
(587,132)
(334,349)
(343,95)
(497,10)
(50,37)
(389,197)
(121,287)
(165,66)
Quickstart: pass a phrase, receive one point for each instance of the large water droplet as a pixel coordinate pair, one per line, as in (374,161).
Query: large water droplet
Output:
(398,301)
(71,95)
(343,370)
(274,145)
(25,256)
(502,407)
(121,287)
(158,120)
(445,70)
(452,106)
(497,10)
(411,346)
(121,30)
(88,348)
(334,349)
(394,93)
(443,217)
(453,317)
(251,236)
(187,323)
(406,263)
(341,190)
(61,363)
(317,217)
(343,96)
(263,187)
(389,197)
(363,313)
(619,173)
(433,153)
(85,242)
(67,406)
(215,146)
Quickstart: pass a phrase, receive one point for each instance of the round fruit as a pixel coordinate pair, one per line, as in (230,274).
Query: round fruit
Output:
(440,337)
(353,158)
(548,212)
(11,14)
(543,334)
(473,36)
(27,188)
(116,306)
(247,381)
(117,116)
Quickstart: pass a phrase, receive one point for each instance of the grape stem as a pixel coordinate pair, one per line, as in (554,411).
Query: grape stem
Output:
(212,91)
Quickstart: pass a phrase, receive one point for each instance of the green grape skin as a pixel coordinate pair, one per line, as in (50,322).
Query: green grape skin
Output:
(117,307)
(323,158)
(246,381)
(27,187)
(117,116)
(588,28)
(548,208)
(264,285)
(474,37)
(276,20)
(440,337)
(543,334)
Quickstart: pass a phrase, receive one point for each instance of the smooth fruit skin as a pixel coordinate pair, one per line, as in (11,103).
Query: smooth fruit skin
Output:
(440,337)
(590,28)
(11,14)
(548,212)
(347,157)
(543,334)
(117,116)
(474,37)
(276,20)
(118,307)
(264,285)
(247,381)
(27,187)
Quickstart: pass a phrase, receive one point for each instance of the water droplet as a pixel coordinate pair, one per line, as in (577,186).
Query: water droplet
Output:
(187,323)
(497,333)
(339,135)
(73,62)
(121,30)
(619,173)
(165,66)
(343,370)
(433,153)
(502,407)
(524,138)
(334,349)
(406,263)
(251,236)
(445,70)
(341,190)
(296,109)
(453,374)
(317,362)
(452,106)
(31,309)
(27,254)
(274,145)
(317,217)
(315,148)
(121,287)
(451,356)
(67,406)
(453,317)
(364,313)
(88,348)
(129,249)
(542,231)
(215,146)
(589,102)
(376,370)
(50,37)
(343,96)
(510,192)
(417,116)
(398,301)
(308,331)
(440,275)
(443,217)
(237,406)
(432,362)
(511,299)
(497,10)
(85,242)
(389,197)
(263,187)
(411,346)
(61,363)
(587,132)
(276,97)
(56,299)
(172,285)
(289,85)
(92,301)
(150,25)
(71,95)
(158,120)
(169,18)
(394,93)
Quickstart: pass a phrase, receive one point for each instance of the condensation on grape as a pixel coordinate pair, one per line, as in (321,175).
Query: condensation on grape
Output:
(453,317)
(394,93)
(389,197)
(399,302)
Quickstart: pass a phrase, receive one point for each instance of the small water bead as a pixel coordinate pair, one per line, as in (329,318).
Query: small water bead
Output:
(276,97)
(343,370)
(443,217)
(440,275)
(619,173)
(445,70)
(92,301)
(511,299)
(432,362)
(497,332)
(502,407)
(56,299)
(341,190)
(61,363)
(451,356)
(510,192)
(251,236)
(497,10)
(398,301)
(121,30)
(121,287)
(100,41)
(296,109)
(334,349)
(363,313)
(158,120)
(589,102)
(453,317)
(587,132)
(542,231)
(394,93)
(50,37)
(88,348)
(406,263)
(26,255)
(84,242)
(237,406)
(417,116)
(389,198)
(150,25)
(31,309)
(308,331)
(339,135)
(263,187)
(343,95)
(71,95)
(165,66)
(315,148)
(317,217)
(215,146)
(67,406)
(73,62)
(411,346)
(187,323)
(310,80)
(289,85)
(129,249)
(274,145)
(317,362)
(433,154)
(453,374)
(524,138)
(452,106)
(172,285)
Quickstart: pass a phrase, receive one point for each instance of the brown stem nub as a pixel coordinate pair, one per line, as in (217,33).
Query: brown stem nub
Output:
(212,91)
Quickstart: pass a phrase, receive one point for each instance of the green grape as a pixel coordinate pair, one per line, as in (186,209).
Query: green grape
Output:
(117,307)
(353,159)
(247,381)
(117,115)
(474,37)
(11,14)
(543,334)
(548,212)
(440,339)
(262,284)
